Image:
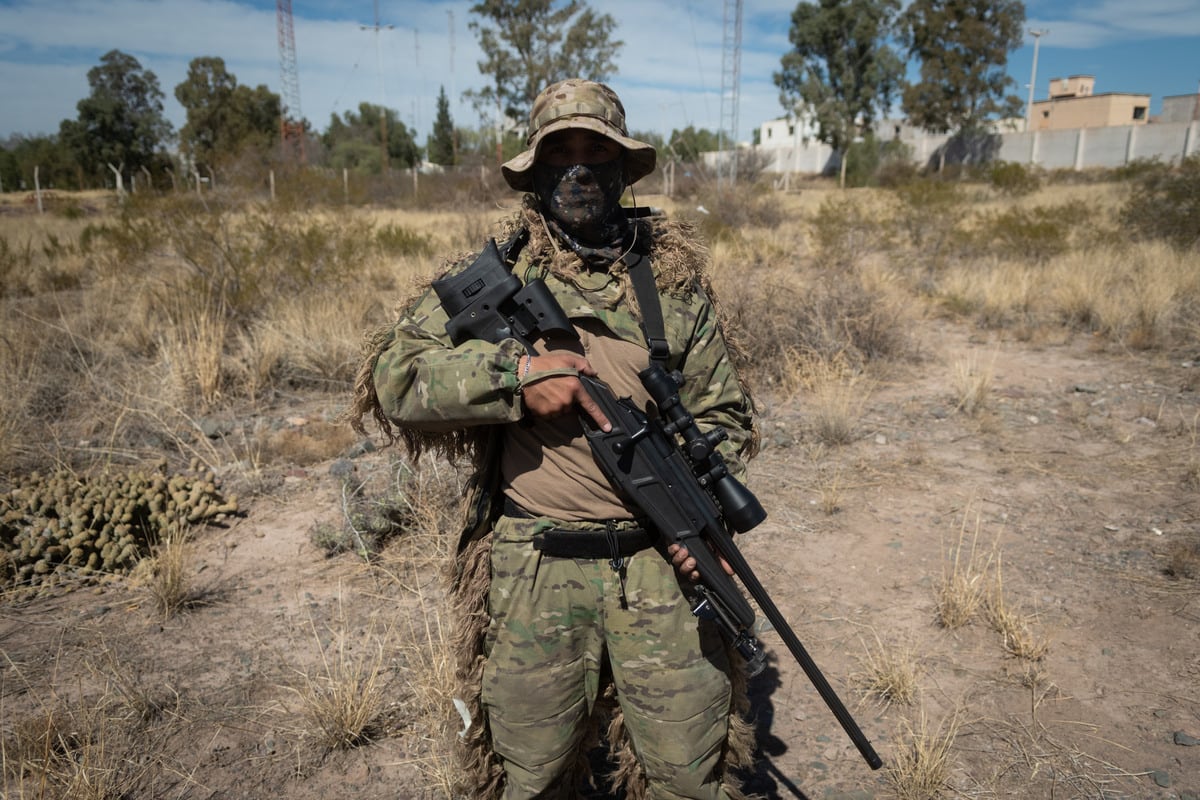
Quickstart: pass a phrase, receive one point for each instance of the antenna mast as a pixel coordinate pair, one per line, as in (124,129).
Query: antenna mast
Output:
(291,120)
(731,71)
(383,151)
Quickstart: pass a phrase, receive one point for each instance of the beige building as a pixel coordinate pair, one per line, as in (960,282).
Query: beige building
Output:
(1073,104)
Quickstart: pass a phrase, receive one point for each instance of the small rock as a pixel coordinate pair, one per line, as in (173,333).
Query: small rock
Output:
(1146,421)
(214,428)
(1161,777)
(880,439)
(1186,740)
(342,468)
(361,448)
(297,422)
(1084,388)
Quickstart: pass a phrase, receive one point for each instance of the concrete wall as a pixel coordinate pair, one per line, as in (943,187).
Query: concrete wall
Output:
(1077,149)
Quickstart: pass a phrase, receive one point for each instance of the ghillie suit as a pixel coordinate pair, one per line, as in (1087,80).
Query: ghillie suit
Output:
(678,262)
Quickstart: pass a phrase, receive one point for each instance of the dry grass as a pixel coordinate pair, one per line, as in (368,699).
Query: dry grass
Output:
(833,395)
(889,673)
(343,701)
(972,382)
(170,583)
(920,768)
(75,746)
(963,586)
(1017,630)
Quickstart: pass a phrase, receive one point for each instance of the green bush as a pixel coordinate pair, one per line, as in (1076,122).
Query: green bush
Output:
(396,240)
(1012,179)
(1165,205)
(1035,234)
(844,231)
(870,162)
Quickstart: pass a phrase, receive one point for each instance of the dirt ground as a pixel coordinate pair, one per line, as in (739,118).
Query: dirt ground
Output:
(1079,478)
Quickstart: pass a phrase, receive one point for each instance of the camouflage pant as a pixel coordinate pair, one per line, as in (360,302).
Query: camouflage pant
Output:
(554,621)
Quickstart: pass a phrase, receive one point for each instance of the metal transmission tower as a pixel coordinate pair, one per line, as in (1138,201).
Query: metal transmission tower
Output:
(731,78)
(291,125)
(383,134)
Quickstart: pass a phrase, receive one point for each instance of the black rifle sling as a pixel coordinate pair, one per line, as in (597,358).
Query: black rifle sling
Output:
(650,306)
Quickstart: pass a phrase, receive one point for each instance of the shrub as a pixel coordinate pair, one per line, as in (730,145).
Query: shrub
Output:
(1166,205)
(1012,179)
(845,230)
(1035,234)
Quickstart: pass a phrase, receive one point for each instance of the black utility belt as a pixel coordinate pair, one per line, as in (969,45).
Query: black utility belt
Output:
(611,544)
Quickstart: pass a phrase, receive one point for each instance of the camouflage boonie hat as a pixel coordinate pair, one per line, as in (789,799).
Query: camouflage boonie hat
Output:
(576,103)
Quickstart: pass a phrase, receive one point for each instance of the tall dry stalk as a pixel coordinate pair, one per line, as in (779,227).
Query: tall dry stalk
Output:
(1019,638)
(972,382)
(170,583)
(194,350)
(962,588)
(920,768)
(344,699)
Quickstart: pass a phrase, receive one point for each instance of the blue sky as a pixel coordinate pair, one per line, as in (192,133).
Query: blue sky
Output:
(669,69)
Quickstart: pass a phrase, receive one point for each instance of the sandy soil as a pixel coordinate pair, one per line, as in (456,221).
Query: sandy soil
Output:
(1078,478)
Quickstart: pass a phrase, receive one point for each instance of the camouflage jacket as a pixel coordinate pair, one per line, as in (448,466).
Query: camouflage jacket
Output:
(430,388)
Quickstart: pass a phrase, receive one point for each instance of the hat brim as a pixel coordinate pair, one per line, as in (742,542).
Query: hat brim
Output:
(640,157)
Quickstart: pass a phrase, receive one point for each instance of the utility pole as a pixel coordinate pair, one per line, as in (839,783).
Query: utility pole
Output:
(1037,39)
(383,149)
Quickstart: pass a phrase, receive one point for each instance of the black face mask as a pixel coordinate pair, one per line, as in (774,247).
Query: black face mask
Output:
(584,199)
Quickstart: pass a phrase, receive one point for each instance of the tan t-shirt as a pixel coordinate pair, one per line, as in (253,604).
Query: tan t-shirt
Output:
(547,465)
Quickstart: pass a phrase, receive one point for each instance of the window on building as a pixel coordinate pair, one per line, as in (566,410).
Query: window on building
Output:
(791,130)
(1139,112)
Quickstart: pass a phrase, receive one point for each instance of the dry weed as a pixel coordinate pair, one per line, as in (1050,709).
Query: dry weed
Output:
(1019,638)
(170,583)
(972,384)
(920,769)
(193,348)
(834,400)
(962,589)
(429,682)
(73,749)
(344,700)
(889,673)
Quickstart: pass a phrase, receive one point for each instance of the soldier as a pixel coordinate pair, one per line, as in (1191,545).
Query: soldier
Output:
(565,603)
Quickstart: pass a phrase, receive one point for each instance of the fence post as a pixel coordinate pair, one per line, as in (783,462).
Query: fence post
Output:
(272,177)
(37,189)
(1080,138)
(1130,143)
(345,186)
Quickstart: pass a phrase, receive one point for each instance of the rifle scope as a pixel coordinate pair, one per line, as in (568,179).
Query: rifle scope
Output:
(739,505)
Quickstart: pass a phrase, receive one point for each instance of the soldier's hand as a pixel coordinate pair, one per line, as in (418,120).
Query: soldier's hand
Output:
(686,565)
(561,394)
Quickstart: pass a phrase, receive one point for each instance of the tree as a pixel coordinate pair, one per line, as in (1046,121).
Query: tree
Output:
(840,68)
(223,117)
(56,168)
(530,45)
(442,146)
(353,140)
(689,143)
(963,47)
(120,126)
